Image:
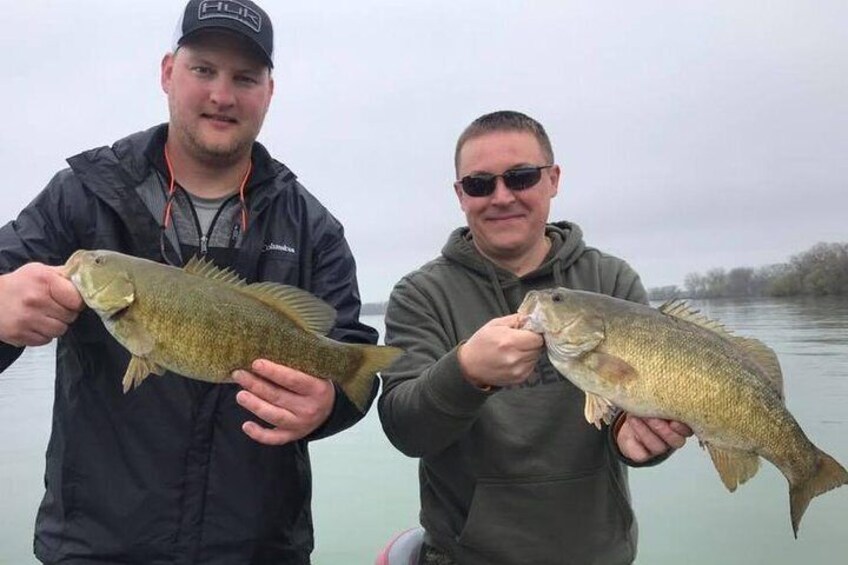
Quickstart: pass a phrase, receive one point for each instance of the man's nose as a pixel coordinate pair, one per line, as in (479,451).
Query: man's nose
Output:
(502,194)
(222,93)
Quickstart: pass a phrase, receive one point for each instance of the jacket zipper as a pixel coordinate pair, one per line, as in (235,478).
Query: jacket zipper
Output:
(204,237)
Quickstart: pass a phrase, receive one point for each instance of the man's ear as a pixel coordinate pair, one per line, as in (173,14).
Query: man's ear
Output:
(166,69)
(270,92)
(460,196)
(554,175)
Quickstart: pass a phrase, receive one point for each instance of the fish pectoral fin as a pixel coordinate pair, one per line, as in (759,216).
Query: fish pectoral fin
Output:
(612,370)
(733,466)
(598,409)
(138,370)
(133,335)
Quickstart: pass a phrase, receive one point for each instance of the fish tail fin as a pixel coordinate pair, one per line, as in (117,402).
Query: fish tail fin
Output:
(375,358)
(828,475)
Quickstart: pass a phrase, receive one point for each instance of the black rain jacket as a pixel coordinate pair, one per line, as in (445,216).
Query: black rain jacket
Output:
(164,474)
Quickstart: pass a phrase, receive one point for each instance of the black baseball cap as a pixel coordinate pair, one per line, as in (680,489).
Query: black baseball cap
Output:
(241,17)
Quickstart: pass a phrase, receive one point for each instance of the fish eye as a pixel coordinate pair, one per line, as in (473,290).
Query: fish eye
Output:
(98,260)
(557,297)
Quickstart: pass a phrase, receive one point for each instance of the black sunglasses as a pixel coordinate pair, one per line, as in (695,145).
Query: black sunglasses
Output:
(483,184)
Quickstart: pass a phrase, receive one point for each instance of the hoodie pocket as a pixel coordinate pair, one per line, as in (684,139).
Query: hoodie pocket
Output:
(575,519)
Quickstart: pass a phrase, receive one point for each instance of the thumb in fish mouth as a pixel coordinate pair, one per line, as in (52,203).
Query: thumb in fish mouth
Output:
(532,322)
(64,271)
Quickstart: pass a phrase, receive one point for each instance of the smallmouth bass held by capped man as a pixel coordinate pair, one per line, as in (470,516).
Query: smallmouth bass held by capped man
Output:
(203,322)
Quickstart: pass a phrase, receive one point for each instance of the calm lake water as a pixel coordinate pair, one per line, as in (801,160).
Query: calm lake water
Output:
(365,491)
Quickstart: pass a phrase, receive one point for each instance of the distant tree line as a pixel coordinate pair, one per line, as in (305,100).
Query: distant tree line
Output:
(822,270)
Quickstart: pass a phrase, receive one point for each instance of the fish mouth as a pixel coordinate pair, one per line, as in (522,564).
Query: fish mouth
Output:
(534,317)
(75,270)
(72,265)
(535,322)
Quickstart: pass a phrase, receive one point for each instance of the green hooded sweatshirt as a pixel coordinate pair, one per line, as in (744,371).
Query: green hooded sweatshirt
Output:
(514,475)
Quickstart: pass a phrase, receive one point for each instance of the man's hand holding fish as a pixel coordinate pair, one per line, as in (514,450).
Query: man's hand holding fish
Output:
(643,439)
(38,302)
(499,354)
(295,403)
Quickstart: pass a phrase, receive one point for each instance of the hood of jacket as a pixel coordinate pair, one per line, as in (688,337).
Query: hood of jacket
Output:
(567,246)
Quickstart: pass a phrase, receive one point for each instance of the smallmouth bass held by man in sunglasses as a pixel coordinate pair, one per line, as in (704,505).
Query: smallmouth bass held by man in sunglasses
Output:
(203,323)
(674,363)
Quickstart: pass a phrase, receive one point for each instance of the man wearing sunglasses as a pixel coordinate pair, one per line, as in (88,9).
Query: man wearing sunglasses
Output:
(177,471)
(510,471)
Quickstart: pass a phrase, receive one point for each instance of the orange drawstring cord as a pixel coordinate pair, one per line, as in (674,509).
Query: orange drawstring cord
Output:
(172,184)
(241,196)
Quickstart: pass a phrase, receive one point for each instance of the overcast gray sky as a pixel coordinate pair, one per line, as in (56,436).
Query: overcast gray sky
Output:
(691,135)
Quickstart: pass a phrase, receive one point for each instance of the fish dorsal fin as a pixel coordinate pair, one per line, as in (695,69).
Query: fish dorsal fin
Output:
(305,310)
(207,269)
(766,359)
(756,350)
(679,309)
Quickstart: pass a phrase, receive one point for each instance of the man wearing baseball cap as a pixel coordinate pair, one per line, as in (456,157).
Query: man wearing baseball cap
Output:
(181,471)
(242,18)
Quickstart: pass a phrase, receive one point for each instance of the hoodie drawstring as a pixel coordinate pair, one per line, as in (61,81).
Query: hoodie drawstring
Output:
(557,270)
(496,284)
